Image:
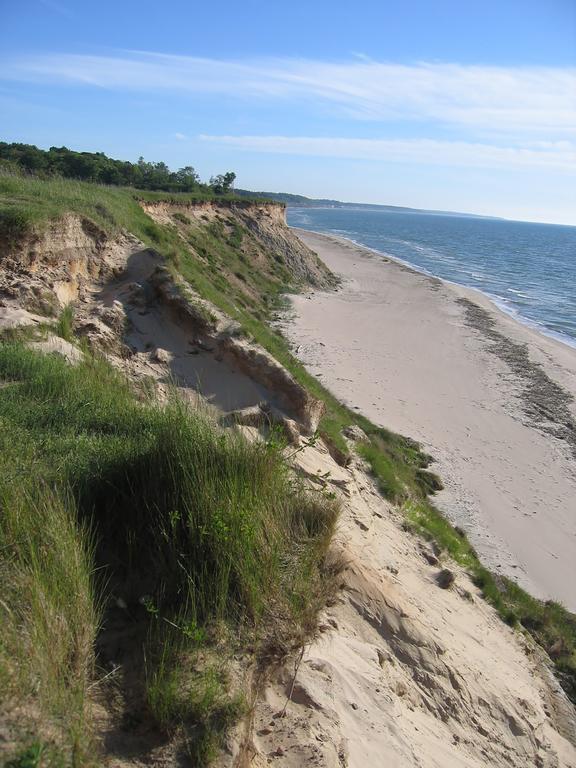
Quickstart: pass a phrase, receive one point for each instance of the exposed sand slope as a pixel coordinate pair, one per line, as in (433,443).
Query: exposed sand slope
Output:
(268,244)
(405,673)
(403,349)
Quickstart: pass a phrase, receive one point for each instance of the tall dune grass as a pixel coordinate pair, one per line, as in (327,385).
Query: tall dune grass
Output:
(203,534)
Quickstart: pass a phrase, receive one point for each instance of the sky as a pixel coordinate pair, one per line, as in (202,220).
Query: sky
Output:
(464,105)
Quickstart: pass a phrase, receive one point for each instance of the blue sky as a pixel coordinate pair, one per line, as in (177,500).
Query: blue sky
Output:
(466,106)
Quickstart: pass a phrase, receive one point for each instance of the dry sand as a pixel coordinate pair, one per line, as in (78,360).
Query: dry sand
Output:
(490,399)
(404,674)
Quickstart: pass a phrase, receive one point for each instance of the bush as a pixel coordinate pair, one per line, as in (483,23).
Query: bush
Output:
(181,217)
(14,223)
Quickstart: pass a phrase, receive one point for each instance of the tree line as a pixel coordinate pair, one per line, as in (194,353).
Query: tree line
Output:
(98,168)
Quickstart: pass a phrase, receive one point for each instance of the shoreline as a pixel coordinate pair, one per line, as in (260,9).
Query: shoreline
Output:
(498,302)
(492,399)
(517,325)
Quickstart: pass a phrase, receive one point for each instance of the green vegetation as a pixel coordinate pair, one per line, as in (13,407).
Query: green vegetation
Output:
(399,465)
(65,325)
(96,167)
(227,265)
(223,183)
(400,470)
(34,756)
(217,549)
(49,613)
(28,202)
(551,625)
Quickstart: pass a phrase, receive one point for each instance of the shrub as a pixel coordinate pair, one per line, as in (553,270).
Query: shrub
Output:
(65,324)
(14,223)
(181,217)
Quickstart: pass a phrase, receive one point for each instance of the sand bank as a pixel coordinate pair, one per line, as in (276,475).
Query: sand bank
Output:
(490,399)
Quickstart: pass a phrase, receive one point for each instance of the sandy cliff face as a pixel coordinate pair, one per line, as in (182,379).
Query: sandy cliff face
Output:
(402,673)
(50,268)
(128,305)
(265,222)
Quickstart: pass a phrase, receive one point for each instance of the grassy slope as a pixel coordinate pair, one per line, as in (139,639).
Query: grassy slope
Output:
(214,539)
(209,256)
(27,202)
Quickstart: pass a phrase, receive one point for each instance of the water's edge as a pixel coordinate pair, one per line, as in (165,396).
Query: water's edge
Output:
(496,301)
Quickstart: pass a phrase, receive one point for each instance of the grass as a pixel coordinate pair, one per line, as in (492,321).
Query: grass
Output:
(14,223)
(28,201)
(214,532)
(31,202)
(196,692)
(49,612)
(208,255)
(36,755)
(549,623)
(211,253)
(65,324)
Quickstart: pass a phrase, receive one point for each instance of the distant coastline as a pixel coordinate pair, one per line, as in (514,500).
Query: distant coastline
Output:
(300,201)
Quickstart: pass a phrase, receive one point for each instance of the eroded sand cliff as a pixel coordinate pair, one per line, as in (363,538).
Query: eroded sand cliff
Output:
(403,672)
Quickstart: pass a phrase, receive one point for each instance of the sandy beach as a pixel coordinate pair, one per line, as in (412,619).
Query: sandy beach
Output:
(490,399)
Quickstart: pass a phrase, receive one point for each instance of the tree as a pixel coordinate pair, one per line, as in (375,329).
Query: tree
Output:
(223,182)
(97,167)
(187,178)
(229,179)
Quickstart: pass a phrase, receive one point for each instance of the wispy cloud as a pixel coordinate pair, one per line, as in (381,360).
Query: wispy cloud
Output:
(523,101)
(553,155)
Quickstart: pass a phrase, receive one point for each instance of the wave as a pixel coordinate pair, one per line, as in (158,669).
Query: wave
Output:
(522,294)
(512,311)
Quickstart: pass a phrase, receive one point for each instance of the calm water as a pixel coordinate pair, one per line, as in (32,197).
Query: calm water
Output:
(528,269)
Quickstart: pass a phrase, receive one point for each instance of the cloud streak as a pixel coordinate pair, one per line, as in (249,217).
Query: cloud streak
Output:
(551,155)
(523,101)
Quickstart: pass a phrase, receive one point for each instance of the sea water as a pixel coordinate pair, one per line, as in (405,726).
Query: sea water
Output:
(528,269)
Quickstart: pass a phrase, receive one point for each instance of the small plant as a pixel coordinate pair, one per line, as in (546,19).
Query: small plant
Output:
(236,236)
(29,758)
(65,324)
(185,690)
(104,213)
(181,217)
(386,471)
(153,232)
